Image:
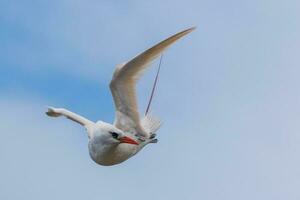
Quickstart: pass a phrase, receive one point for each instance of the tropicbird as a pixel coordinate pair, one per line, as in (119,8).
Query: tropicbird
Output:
(111,144)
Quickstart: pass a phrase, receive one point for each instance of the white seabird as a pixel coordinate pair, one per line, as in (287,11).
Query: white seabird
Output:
(111,144)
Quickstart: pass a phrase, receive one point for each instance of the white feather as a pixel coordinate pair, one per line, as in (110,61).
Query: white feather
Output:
(150,123)
(123,85)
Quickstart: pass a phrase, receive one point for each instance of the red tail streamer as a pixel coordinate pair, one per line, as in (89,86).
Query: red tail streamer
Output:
(154,85)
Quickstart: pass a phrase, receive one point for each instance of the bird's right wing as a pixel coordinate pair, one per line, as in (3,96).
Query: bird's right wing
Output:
(124,80)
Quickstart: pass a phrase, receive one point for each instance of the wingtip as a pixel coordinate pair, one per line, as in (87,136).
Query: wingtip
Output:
(193,27)
(185,32)
(190,29)
(51,112)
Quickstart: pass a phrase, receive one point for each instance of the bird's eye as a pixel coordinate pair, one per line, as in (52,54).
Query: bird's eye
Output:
(114,135)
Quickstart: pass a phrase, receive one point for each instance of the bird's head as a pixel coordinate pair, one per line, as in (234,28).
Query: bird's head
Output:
(112,135)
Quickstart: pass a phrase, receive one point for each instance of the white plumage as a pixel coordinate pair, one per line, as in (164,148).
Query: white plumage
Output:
(150,123)
(112,144)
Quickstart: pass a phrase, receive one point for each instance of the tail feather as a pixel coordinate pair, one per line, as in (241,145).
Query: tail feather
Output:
(151,124)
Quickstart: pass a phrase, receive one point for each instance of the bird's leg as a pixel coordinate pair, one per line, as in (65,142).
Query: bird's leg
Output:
(152,135)
(152,138)
(146,141)
(153,141)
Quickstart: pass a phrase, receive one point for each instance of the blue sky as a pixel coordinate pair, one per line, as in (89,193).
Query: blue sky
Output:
(230,107)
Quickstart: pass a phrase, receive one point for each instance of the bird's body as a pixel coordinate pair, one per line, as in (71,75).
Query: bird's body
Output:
(107,154)
(111,144)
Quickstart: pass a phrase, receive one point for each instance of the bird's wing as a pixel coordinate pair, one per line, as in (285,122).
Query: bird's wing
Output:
(123,83)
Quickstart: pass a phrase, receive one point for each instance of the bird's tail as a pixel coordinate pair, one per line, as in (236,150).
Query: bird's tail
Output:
(151,124)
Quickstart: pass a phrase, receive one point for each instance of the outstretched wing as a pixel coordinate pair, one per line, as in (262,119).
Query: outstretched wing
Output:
(123,83)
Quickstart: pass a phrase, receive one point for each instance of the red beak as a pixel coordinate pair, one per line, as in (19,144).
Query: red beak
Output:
(128,140)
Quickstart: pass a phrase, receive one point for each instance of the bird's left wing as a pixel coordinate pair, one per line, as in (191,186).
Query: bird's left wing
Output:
(123,84)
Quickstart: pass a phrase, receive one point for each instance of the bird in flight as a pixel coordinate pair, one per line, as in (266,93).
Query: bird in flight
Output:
(111,144)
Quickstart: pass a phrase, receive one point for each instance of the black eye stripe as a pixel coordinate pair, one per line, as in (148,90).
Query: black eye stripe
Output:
(114,135)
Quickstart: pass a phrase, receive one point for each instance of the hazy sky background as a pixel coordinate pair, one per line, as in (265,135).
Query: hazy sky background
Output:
(231,106)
